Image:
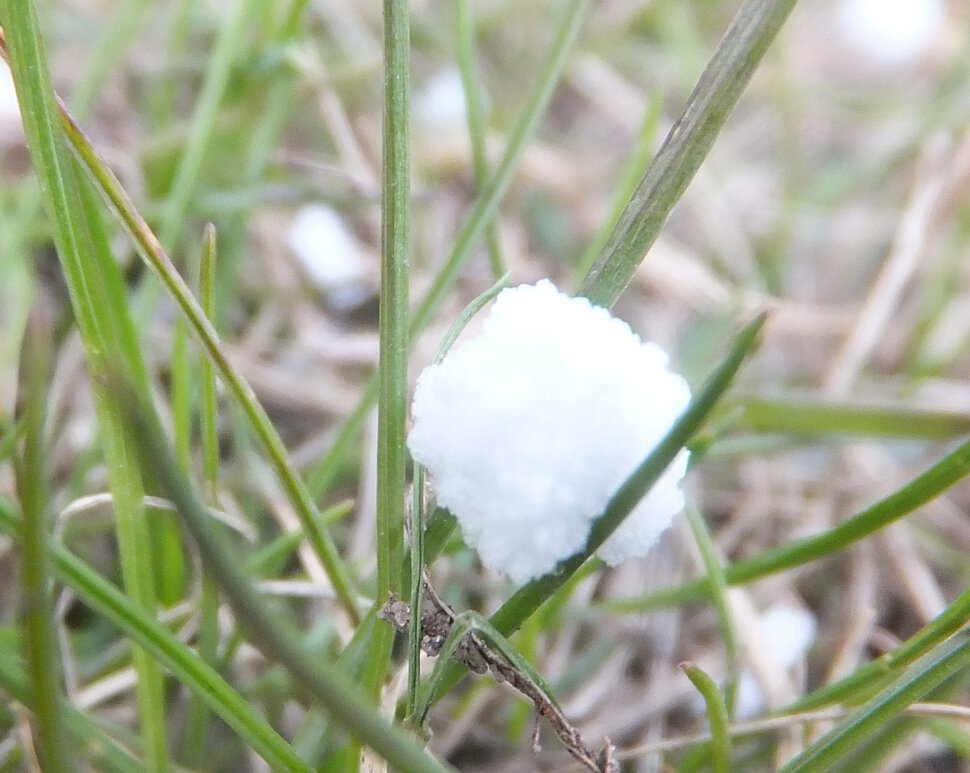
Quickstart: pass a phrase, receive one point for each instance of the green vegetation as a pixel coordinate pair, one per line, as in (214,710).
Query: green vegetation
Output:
(205,494)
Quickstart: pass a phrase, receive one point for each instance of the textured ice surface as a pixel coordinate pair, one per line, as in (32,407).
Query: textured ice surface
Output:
(528,429)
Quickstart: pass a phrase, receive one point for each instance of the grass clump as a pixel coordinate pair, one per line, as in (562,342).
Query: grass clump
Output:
(248,602)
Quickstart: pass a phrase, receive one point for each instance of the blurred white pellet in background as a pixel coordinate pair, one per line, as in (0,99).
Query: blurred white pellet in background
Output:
(896,33)
(326,247)
(440,103)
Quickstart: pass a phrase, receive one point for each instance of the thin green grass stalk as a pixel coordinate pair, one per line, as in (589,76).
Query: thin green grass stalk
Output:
(471,311)
(416,562)
(417,590)
(156,258)
(482,213)
(228,46)
(198,724)
(274,635)
(87,740)
(718,594)
(210,404)
(40,640)
(122,23)
(263,141)
(924,676)
(857,686)
(393,370)
(922,489)
(100,306)
(633,171)
(474,102)
(528,598)
(688,143)
(144,630)
(825,418)
(717,715)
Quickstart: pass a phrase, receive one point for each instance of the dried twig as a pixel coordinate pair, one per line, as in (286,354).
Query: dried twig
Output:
(437,619)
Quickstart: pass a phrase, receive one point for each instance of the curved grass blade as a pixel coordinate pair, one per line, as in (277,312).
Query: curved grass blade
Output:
(925,675)
(717,715)
(472,622)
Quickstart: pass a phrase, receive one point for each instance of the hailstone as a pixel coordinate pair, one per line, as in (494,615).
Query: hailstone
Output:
(528,429)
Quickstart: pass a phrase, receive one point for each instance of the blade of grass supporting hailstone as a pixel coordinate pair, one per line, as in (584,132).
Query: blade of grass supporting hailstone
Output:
(415,566)
(101,309)
(40,639)
(275,636)
(482,213)
(923,676)
(529,597)
(688,143)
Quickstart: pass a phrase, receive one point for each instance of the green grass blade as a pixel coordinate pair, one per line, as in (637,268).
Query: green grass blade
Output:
(151,250)
(718,594)
(529,597)
(476,122)
(273,635)
(482,213)
(717,715)
(40,640)
(100,306)
(227,48)
(105,599)
(863,679)
(472,622)
(802,417)
(198,725)
(925,487)
(925,675)
(717,92)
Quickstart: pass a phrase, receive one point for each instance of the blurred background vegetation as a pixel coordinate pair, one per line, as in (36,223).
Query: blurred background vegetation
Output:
(836,195)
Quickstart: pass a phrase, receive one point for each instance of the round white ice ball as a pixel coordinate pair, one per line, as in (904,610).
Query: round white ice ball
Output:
(528,429)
